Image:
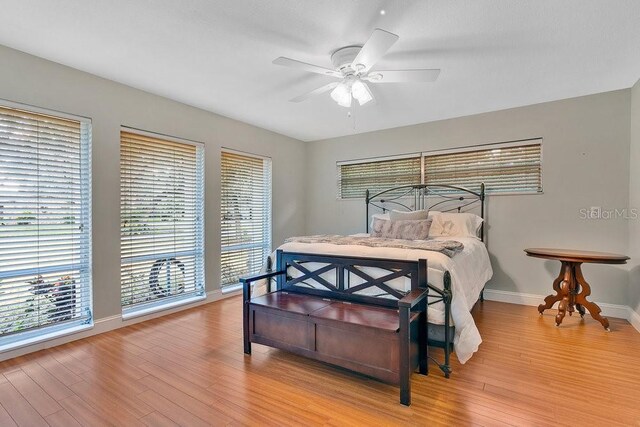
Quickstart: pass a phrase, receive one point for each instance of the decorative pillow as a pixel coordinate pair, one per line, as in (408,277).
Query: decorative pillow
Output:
(417,229)
(400,215)
(456,224)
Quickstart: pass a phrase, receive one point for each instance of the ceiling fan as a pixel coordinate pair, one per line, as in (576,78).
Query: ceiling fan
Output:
(353,67)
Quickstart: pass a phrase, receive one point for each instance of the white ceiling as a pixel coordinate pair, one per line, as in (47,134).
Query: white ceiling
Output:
(216,55)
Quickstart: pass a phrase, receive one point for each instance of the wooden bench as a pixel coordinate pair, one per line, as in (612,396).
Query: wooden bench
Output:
(383,336)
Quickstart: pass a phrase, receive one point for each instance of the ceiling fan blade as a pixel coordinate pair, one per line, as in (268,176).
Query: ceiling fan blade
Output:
(377,45)
(288,62)
(315,92)
(403,76)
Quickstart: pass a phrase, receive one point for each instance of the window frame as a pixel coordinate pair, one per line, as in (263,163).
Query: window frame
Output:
(269,220)
(465,149)
(55,330)
(142,309)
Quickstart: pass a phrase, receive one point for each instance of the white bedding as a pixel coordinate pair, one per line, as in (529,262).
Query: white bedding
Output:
(470,270)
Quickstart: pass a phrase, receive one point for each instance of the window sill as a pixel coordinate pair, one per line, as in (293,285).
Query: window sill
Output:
(487,194)
(131,313)
(31,338)
(515,193)
(231,288)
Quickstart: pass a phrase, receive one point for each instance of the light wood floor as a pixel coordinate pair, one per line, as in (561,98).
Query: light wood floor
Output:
(188,369)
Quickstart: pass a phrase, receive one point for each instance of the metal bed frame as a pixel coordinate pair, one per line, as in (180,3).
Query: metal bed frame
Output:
(444,198)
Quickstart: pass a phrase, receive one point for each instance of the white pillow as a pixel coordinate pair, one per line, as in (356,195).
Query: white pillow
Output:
(408,216)
(436,227)
(455,224)
(384,216)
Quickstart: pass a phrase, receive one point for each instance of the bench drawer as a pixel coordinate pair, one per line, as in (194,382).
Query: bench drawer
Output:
(289,331)
(370,352)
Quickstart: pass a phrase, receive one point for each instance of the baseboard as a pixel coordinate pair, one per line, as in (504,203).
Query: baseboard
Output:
(634,319)
(512,297)
(111,323)
(617,311)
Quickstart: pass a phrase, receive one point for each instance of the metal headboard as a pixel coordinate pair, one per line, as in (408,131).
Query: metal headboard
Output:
(441,197)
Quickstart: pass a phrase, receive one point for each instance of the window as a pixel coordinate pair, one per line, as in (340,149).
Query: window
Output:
(161,213)
(245,209)
(514,167)
(45,225)
(354,179)
(504,168)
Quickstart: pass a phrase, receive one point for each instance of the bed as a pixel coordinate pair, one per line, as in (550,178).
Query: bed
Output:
(456,280)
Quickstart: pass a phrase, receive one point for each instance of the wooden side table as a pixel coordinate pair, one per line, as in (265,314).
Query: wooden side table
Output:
(570,286)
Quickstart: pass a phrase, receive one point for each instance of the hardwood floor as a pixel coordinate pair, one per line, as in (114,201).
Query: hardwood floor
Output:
(189,369)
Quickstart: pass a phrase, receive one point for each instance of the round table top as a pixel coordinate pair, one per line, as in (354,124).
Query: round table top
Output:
(573,255)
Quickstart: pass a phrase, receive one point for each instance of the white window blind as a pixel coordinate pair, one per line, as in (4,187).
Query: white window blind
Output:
(245,208)
(45,224)
(504,168)
(162,211)
(513,167)
(354,179)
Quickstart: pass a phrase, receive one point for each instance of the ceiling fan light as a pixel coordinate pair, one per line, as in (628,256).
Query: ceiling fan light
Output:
(361,92)
(342,95)
(346,102)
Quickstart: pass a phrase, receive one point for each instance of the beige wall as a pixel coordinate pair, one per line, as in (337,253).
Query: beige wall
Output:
(30,80)
(634,200)
(585,164)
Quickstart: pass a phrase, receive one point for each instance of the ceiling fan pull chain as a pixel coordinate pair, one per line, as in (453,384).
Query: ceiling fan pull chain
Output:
(352,114)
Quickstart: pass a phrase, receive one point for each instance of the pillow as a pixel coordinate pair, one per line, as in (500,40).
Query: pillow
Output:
(436,227)
(417,229)
(456,224)
(384,217)
(400,215)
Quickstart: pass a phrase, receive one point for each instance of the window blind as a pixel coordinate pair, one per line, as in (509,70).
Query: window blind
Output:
(503,169)
(245,208)
(45,224)
(162,210)
(354,179)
